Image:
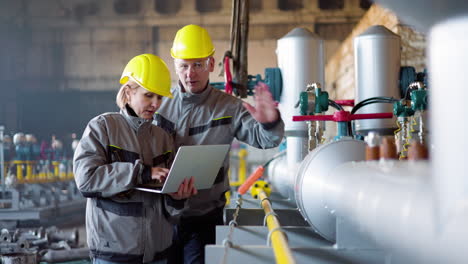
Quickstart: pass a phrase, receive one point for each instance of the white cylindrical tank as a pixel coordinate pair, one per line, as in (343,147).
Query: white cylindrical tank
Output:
(301,60)
(377,68)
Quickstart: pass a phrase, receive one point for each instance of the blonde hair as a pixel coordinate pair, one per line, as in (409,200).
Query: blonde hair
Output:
(121,98)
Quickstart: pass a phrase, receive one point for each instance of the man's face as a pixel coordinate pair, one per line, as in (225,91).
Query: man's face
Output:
(194,73)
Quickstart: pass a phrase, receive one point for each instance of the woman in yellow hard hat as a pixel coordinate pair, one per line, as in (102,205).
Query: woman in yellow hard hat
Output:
(119,151)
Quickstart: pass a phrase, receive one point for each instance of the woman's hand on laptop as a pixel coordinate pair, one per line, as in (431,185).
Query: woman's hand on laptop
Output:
(186,189)
(159,174)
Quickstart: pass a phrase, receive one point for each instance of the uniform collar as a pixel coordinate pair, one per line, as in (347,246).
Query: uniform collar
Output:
(131,117)
(194,98)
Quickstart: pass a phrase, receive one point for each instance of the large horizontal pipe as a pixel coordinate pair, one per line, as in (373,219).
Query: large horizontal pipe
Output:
(392,203)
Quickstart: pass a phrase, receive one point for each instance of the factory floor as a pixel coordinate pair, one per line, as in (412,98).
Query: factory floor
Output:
(81,242)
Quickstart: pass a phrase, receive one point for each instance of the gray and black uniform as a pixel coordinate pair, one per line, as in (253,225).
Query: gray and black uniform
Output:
(115,154)
(212,117)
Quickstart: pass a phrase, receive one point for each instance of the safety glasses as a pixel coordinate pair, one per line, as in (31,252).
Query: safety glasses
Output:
(183,66)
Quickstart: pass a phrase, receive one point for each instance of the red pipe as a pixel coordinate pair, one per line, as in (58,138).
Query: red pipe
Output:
(345,102)
(342,116)
(227,76)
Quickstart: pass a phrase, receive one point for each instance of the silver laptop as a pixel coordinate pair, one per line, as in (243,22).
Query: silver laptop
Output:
(202,162)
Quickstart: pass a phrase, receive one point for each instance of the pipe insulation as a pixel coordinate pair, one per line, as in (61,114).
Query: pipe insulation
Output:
(392,203)
(448,63)
(312,182)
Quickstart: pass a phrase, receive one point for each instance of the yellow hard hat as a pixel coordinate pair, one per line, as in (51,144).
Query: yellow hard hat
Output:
(150,72)
(192,42)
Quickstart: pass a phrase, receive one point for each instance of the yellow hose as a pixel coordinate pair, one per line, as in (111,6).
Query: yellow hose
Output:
(279,242)
(19,170)
(29,171)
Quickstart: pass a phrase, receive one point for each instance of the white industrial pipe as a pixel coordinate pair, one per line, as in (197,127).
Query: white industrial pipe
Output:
(392,203)
(312,182)
(386,200)
(277,173)
(418,210)
(448,66)
(301,60)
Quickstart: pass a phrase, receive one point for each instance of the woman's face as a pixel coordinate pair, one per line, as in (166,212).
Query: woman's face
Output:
(143,102)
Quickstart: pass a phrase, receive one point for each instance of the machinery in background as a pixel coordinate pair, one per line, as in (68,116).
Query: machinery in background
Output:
(37,184)
(31,246)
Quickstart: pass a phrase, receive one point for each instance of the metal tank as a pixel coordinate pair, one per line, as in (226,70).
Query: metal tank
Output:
(377,68)
(312,185)
(301,60)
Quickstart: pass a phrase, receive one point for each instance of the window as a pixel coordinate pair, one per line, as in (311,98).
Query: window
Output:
(289,5)
(81,11)
(334,31)
(126,7)
(365,4)
(204,6)
(331,4)
(167,7)
(255,5)
(86,9)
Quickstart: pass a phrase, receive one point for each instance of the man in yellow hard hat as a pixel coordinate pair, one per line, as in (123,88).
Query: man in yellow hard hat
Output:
(201,115)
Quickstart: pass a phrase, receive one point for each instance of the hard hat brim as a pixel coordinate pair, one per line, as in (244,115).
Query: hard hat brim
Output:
(201,56)
(126,78)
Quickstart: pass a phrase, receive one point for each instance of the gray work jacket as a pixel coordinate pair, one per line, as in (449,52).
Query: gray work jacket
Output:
(213,117)
(116,153)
